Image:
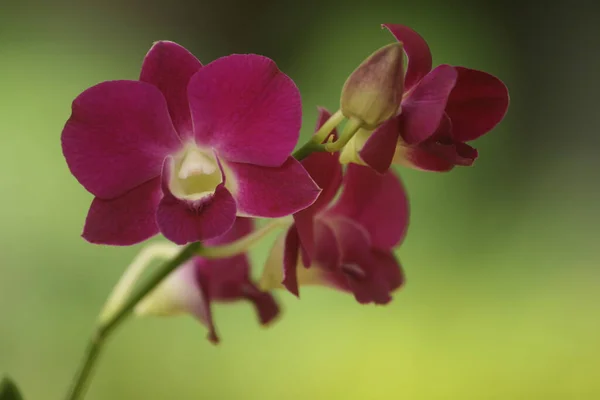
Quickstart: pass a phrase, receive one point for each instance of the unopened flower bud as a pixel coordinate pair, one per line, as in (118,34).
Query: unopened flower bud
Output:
(373,92)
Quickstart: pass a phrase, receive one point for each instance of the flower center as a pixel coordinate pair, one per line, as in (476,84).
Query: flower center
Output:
(196,174)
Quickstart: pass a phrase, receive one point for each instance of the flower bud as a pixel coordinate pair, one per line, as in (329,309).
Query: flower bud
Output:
(373,92)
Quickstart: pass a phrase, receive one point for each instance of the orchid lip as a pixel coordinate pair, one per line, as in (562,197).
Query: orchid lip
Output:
(196,173)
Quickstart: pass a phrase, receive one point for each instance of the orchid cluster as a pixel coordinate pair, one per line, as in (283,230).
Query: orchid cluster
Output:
(199,153)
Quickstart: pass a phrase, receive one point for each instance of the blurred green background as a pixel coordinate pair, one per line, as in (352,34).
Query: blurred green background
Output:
(501,300)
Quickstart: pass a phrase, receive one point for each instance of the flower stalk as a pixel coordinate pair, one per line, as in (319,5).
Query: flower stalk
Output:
(316,144)
(117,308)
(242,245)
(106,328)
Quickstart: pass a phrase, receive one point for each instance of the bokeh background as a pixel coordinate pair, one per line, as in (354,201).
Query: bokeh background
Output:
(502,296)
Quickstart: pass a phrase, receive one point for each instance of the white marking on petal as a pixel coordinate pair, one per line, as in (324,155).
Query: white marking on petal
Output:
(178,293)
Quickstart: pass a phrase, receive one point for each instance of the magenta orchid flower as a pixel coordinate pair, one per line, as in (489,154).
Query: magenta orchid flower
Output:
(346,245)
(441,110)
(194,286)
(187,148)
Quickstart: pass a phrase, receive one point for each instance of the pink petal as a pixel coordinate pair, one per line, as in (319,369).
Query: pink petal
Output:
(125,220)
(290,261)
(455,153)
(327,252)
(422,157)
(359,268)
(241,227)
(429,155)
(183,221)
(265,304)
(169,67)
(381,277)
(326,170)
(247,109)
(378,150)
(423,108)
(117,137)
(376,202)
(477,104)
(271,192)
(228,280)
(204,309)
(417,52)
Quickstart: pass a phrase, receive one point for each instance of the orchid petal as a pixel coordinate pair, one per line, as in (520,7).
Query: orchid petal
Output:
(360,271)
(181,292)
(169,67)
(290,261)
(228,280)
(417,52)
(125,220)
(326,170)
(270,192)
(423,108)
(477,104)
(378,150)
(327,252)
(376,202)
(422,158)
(117,137)
(247,109)
(273,275)
(184,221)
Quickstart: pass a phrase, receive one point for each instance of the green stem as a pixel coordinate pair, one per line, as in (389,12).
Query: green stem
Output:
(110,319)
(103,330)
(316,143)
(329,125)
(306,150)
(352,126)
(242,245)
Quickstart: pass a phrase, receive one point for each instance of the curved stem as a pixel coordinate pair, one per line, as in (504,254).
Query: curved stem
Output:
(316,143)
(242,245)
(132,274)
(352,126)
(117,309)
(329,125)
(104,329)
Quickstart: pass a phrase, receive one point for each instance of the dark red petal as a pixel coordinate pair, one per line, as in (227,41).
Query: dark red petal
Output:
(379,148)
(423,108)
(327,252)
(326,170)
(183,221)
(265,304)
(376,202)
(271,192)
(359,267)
(290,261)
(389,268)
(125,220)
(228,280)
(454,153)
(422,157)
(247,109)
(169,67)
(117,137)
(417,52)
(477,104)
(241,227)
(203,280)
